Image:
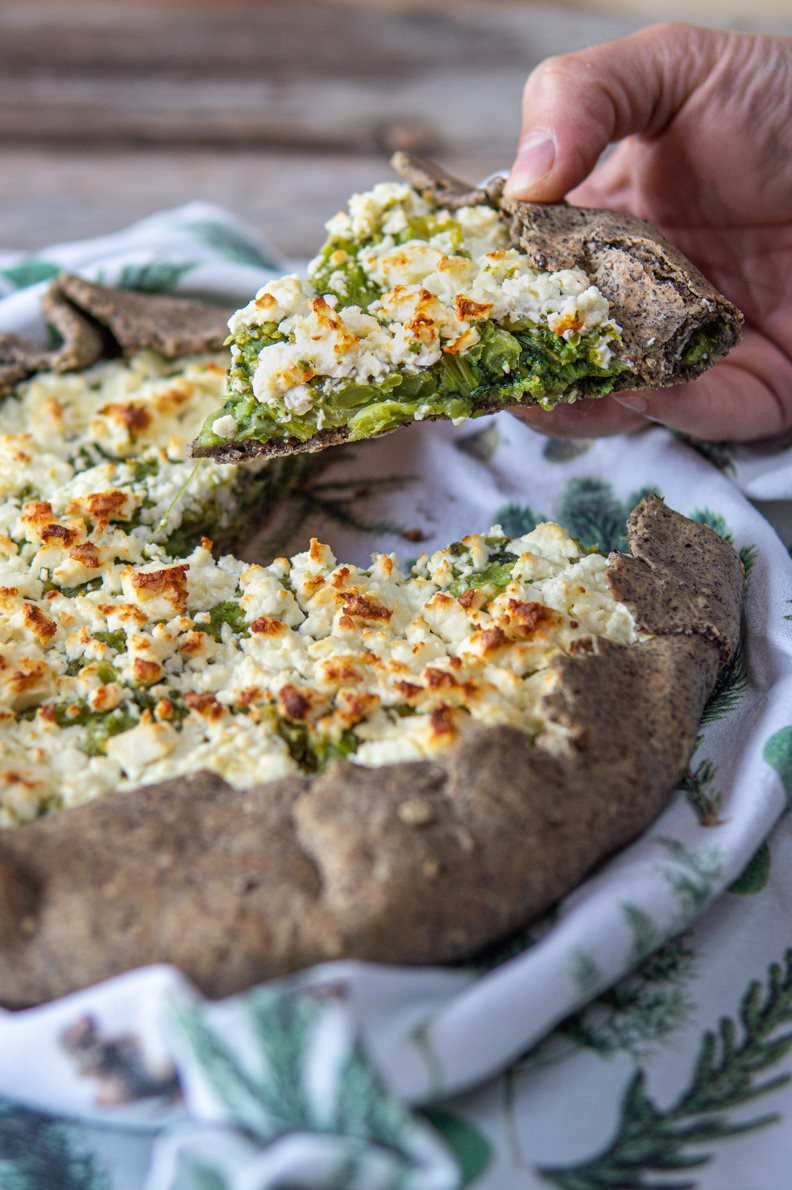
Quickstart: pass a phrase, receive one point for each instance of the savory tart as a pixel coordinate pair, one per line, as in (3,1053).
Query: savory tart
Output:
(398,860)
(130,664)
(243,768)
(432,300)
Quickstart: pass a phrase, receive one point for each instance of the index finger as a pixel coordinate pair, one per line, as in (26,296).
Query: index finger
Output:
(576,104)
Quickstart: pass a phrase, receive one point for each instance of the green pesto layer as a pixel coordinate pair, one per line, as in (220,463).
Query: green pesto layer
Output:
(526,364)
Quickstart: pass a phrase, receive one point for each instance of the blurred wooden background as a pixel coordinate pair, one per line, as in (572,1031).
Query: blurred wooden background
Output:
(277,109)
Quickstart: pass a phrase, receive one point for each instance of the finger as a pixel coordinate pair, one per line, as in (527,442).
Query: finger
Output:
(746,398)
(612,183)
(743,399)
(594,417)
(577,104)
(731,406)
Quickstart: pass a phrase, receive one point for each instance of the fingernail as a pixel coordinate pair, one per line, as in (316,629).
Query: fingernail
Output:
(636,404)
(535,158)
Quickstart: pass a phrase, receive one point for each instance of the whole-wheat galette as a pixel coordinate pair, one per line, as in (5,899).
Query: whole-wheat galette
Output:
(243,769)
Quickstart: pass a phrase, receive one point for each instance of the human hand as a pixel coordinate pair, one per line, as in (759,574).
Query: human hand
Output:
(704,118)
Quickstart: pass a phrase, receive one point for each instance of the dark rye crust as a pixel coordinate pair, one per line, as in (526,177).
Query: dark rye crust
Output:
(656,295)
(417,862)
(96,322)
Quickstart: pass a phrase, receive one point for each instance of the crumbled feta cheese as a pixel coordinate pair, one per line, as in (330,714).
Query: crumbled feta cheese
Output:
(299,398)
(224,427)
(433,289)
(282,298)
(125,665)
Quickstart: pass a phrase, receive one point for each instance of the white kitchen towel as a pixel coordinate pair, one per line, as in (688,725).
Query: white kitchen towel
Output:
(638,1036)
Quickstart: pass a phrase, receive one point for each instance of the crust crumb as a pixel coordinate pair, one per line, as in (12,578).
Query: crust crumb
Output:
(416,812)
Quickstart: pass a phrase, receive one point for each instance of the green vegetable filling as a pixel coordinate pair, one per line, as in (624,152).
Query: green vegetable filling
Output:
(114,640)
(310,750)
(700,345)
(523,364)
(496,575)
(99,725)
(225,613)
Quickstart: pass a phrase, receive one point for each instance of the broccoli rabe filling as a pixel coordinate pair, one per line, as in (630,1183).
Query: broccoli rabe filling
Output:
(311,750)
(520,365)
(257,672)
(700,345)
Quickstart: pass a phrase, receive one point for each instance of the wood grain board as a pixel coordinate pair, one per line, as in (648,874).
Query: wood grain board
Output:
(111,110)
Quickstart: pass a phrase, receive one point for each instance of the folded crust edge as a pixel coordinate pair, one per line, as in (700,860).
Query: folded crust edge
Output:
(418,862)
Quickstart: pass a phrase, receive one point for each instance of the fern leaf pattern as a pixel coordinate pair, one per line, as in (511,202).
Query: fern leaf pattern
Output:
(267,1086)
(590,511)
(593,514)
(516,519)
(38,1152)
(232,244)
(28,272)
(641,1012)
(729,1070)
(703,798)
(731,684)
(720,454)
(157,276)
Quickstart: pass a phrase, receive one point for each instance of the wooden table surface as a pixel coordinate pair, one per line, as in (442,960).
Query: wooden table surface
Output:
(109,111)
(278,109)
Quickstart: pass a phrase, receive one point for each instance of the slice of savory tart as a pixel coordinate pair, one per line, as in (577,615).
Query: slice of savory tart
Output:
(429,300)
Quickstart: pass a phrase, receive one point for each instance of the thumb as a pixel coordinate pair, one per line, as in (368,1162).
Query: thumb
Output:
(575,105)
